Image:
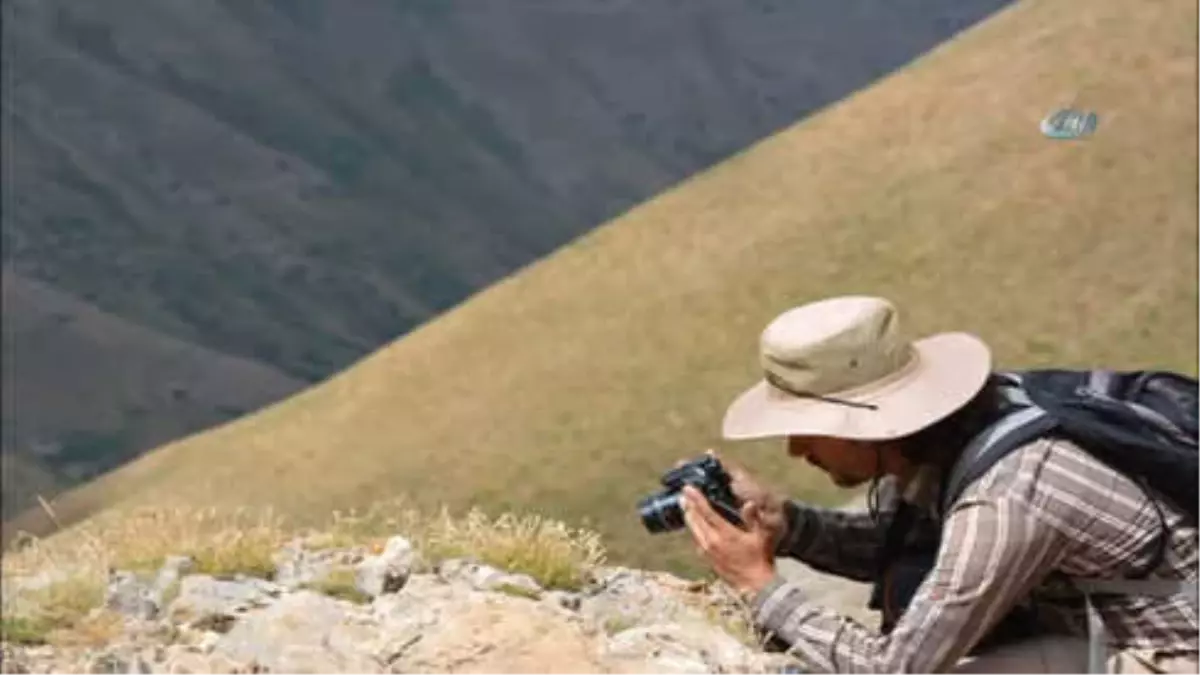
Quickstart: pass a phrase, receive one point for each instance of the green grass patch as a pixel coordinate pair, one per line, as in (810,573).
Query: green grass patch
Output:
(340,583)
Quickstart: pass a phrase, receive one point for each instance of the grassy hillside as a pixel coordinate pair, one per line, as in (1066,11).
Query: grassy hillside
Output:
(84,391)
(568,388)
(301,182)
(298,183)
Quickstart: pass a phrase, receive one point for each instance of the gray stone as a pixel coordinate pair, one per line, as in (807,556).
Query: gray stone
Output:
(304,632)
(487,578)
(566,600)
(691,648)
(623,598)
(119,661)
(388,571)
(173,569)
(296,565)
(306,561)
(131,595)
(215,603)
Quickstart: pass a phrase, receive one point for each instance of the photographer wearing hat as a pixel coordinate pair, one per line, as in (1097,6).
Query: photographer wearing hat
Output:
(1017,559)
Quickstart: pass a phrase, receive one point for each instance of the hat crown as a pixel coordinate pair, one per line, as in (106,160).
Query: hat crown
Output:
(834,345)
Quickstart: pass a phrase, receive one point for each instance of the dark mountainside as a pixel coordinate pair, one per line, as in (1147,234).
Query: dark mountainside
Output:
(84,390)
(285,186)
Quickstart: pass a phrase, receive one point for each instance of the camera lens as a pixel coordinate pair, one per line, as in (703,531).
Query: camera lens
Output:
(661,512)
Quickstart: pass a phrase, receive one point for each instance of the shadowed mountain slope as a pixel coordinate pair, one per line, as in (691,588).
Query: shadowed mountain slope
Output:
(118,387)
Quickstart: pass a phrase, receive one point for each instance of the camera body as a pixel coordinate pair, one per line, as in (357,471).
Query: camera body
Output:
(663,512)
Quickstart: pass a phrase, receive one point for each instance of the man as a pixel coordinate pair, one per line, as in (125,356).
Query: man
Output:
(855,399)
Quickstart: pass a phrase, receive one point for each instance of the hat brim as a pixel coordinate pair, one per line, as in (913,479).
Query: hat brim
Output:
(949,370)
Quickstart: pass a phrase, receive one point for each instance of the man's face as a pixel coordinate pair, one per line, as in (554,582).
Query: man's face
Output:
(849,463)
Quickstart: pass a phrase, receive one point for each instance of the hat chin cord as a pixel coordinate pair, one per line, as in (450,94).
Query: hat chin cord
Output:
(873,490)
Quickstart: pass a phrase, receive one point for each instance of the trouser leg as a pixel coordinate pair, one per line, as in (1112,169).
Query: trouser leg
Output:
(1063,654)
(1043,654)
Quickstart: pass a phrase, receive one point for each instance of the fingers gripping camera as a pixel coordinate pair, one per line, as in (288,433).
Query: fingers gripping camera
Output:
(663,512)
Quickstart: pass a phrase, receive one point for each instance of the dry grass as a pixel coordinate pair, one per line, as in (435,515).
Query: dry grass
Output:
(59,612)
(553,554)
(222,542)
(568,388)
(244,541)
(518,591)
(340,583)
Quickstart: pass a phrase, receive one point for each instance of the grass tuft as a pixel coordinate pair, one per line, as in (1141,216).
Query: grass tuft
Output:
(518,591)
(340,583)
(23,630)
(554,555)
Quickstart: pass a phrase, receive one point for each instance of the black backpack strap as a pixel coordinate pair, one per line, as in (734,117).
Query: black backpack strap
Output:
(1023,423)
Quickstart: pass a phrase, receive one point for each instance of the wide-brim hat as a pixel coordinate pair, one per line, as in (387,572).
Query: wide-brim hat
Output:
(842,368)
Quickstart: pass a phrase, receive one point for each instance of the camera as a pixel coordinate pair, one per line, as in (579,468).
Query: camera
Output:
(663,512)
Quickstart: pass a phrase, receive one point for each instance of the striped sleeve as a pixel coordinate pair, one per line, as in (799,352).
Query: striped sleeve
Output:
(845,543)
(994,551)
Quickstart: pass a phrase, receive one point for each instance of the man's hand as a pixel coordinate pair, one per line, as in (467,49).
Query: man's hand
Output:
(744,558)
(749,490)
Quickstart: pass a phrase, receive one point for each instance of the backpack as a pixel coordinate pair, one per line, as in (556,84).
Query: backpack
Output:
(1141,423)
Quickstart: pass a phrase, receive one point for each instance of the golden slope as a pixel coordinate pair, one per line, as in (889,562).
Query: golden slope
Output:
(570,386)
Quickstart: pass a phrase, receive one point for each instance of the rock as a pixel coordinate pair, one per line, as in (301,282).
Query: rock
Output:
(481,632)
(623,598)
(405,618)
(9,667)
(173,569)
(135,596)
(181,659)
(208,641)
(464,617)
(177,659)
(305,561)
(487,578)
(303,632)
(214,603)
(118,661)
(563,600)
(679,648)
(388,571)
(131,595)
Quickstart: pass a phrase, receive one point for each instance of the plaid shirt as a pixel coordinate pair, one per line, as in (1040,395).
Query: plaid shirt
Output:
(1044,511)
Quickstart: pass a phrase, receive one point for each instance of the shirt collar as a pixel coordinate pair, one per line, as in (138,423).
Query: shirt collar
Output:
(922,488)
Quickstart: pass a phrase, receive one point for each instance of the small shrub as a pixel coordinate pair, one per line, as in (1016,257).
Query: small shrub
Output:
(23,630)
(340,583)
(95,629)
(518,591)
(62,605)
(616,624)
(554,555)
(372,526)
(222,542)
(171,592)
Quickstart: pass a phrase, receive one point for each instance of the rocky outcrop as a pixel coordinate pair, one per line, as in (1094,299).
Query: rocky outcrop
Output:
(345,610)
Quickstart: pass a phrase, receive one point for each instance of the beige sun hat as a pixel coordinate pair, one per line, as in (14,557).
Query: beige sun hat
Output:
(841,368)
